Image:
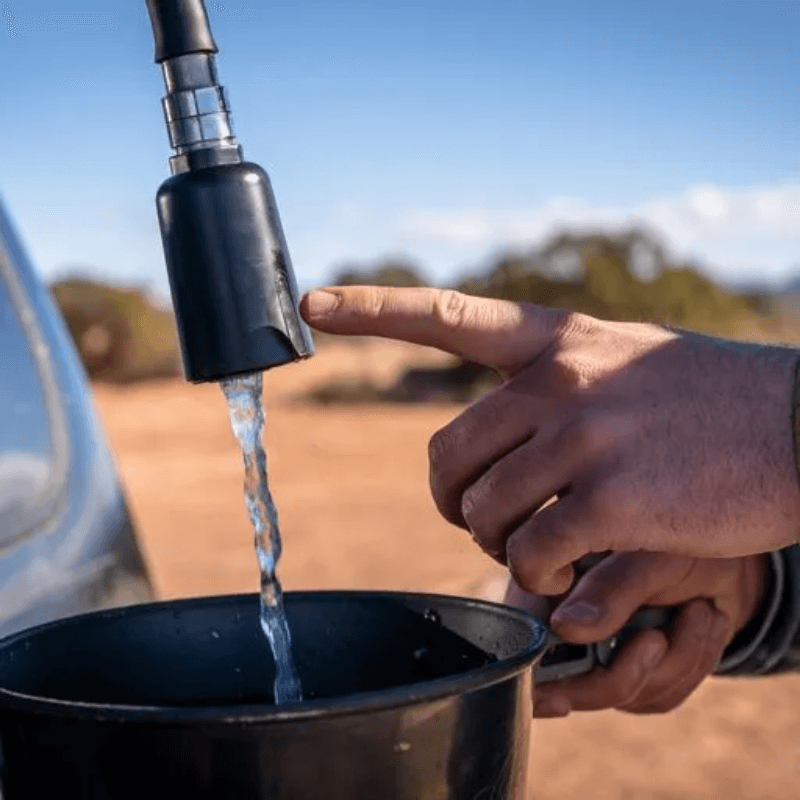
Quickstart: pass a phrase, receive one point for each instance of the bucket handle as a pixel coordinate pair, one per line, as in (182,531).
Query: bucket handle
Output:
(564,660)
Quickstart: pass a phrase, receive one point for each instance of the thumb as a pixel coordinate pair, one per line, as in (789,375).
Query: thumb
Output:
(496,333)
(611,592)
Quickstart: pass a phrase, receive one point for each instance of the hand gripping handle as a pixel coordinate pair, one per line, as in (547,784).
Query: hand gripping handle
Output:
(564,660)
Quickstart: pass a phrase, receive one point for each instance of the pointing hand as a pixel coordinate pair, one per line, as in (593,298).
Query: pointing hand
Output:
(606,436)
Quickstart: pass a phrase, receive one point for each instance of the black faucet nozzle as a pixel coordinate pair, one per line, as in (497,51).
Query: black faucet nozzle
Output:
(231,278)
(232,283)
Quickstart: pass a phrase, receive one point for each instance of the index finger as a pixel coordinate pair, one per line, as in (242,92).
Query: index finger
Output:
(495,333)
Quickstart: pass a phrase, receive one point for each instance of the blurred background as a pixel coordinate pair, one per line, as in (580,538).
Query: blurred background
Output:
(630,160)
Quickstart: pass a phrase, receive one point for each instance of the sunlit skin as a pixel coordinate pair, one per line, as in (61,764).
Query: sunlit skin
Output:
(650,439)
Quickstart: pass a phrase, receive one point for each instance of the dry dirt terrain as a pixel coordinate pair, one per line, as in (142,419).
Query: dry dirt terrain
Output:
(351,485)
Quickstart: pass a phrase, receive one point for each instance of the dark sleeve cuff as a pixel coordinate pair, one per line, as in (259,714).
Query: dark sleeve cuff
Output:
(769,641)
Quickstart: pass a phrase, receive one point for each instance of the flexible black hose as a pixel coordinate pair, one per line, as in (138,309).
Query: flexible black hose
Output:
(180,27)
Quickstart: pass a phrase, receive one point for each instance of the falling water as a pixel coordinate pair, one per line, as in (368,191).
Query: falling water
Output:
(247,421)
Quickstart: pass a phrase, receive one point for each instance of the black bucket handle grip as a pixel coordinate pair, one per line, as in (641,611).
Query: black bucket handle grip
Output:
(564,660)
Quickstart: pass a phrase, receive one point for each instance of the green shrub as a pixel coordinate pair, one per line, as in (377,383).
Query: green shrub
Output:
(120,334)
(384,273)
(606,286)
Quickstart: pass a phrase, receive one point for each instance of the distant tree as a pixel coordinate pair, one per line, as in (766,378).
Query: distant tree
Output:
(384,273)
(792,286)
(120,334)
(615,276)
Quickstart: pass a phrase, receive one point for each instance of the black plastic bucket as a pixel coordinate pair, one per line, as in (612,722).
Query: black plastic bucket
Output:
(409,697)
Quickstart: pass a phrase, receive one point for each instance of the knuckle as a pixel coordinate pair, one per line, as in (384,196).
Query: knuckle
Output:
(474,512)
(443,475)
(571,372)
(597,508)
(582,434)
(564,529)
(438,446)
(574,324)
(538,551)
(471,505)
(523,568)
(373,301)
(479,507)
(450,308)
(527,571)
(485,492)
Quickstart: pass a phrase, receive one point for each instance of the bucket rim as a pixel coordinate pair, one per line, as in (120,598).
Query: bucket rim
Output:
(354,704)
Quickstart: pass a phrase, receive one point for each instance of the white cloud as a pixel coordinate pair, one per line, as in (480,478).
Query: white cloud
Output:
(738,233)
(708,202)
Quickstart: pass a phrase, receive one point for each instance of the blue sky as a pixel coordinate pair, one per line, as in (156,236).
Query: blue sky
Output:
(442,131)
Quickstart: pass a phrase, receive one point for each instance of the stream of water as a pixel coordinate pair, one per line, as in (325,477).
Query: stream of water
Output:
(247,421)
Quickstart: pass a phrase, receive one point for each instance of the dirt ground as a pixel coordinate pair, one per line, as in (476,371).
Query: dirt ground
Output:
(351,486)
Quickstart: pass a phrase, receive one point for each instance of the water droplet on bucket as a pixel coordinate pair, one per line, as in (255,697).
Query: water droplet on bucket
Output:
(432,616)
(420,654)
(215,634)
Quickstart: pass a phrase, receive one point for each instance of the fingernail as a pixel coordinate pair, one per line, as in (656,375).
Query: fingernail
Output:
(555,706)
(579,612)
(652,653)
(319,303)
